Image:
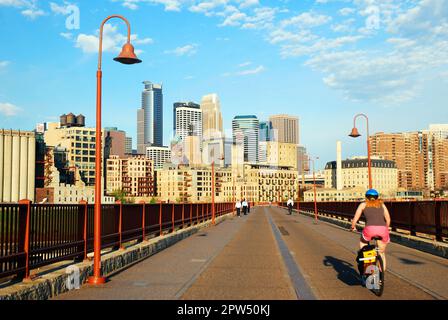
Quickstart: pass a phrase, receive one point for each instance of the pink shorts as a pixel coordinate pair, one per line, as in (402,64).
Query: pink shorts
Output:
(376,231)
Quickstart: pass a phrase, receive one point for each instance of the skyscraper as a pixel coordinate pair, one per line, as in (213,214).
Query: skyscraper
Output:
(150,117)
(246,131)
(285,128)
(265,130)
(211,117)
(187,120)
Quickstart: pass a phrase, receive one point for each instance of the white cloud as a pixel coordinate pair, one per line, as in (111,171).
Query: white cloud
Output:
(9,110)
(235,19)
(347,11)
(13,3)
(306,20)
(245,64)
(33,14)
(320,45)
(58,9)
(257,70)
(170,5)
(187,50)
(281,35)
(28,8)
(66,35)
(344,26)
(248,3)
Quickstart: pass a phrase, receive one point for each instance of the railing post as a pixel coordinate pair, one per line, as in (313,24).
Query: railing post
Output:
(143,220)
(412,219)
(160,217)
(183,214)
(24,215)
(438,219)
(120,224)
(202,211)
(197,213)
(172,218)
(82,230)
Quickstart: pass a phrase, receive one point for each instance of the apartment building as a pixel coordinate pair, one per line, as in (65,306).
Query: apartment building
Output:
(354,173)
(80,144)
(133,175)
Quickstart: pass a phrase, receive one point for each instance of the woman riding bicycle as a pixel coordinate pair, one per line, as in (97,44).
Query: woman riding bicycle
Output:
(377,222)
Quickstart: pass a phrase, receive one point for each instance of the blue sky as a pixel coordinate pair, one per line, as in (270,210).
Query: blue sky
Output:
(322,60)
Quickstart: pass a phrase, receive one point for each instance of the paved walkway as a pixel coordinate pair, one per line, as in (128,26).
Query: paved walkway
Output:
(266,255)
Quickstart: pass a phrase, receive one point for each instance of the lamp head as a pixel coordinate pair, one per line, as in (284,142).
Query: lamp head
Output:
(354,133)
(127,55)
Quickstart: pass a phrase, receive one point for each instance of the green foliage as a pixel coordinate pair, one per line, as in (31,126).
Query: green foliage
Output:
(153,201)
(121,196)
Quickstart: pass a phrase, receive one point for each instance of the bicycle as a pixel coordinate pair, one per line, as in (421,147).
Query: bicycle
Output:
(372,274)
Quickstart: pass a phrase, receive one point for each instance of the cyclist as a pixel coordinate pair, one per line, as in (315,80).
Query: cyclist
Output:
(377,222)
(290,204)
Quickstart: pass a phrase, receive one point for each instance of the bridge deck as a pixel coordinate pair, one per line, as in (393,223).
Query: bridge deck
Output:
(245,258)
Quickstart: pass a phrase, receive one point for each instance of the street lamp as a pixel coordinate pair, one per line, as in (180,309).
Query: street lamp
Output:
(213,188)
(314,187)
(298,186)
(355,134)
(127,56)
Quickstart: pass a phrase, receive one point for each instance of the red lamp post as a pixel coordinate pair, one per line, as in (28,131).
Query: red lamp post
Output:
(314,188)
(213,192)
(127,56)
(355,134)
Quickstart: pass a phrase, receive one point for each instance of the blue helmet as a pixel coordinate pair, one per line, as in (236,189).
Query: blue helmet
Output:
(372,193)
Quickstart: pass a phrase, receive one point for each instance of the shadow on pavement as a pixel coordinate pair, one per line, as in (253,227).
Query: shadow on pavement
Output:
(345,270)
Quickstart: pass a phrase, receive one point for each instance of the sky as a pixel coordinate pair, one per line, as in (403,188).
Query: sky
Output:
(321,60)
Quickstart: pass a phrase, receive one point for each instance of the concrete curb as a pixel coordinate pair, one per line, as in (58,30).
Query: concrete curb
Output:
(428,246)
(55,283)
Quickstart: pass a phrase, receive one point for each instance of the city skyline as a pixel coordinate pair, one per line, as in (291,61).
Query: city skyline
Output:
(238,57)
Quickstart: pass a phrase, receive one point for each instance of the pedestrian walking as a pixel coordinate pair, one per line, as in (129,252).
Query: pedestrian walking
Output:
(244,204)
(248,207)
(290,204)
(238,208)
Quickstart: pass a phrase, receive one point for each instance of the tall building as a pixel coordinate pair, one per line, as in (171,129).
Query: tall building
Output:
(17,165)
(277,154)
(187,116)
(187,120)
(410,153)
(245,131)
(285,128)
(211,117)
(128,145)
(192,150)
(303,164)
(115,143)
(150,117)
(159,156)
(265,130)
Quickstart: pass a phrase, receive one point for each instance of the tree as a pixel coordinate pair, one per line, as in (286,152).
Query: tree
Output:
(121,196)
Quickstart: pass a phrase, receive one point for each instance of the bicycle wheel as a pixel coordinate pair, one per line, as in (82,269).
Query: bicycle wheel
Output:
(379,264)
